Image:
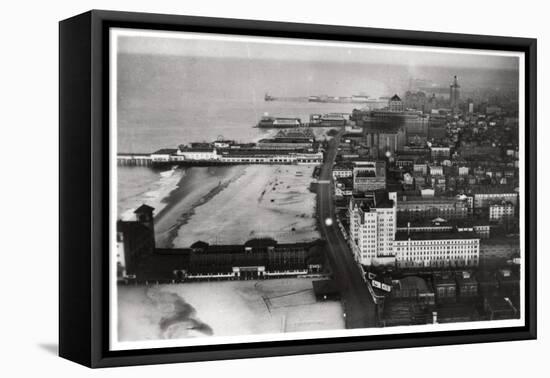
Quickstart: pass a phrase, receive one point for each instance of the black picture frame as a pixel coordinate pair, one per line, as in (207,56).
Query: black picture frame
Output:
(84,194)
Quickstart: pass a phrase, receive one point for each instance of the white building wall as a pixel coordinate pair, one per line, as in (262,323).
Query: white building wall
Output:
(198,155)
(498,212)
(368,237)
(436,253)
(374,231)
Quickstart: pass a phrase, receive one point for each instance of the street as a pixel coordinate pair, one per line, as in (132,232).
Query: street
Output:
(357,301)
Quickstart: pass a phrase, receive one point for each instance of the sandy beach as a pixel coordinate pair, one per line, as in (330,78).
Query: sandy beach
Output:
(255,201)
(223,309)
(199,185)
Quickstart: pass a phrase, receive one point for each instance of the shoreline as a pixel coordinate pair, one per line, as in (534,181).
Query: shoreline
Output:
(153,193)
(231,204)
(197,186)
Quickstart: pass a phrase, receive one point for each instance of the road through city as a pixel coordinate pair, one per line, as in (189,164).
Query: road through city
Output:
(358,304)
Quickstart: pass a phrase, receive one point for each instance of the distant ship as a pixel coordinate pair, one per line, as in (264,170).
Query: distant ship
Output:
(339,100)
(356,99)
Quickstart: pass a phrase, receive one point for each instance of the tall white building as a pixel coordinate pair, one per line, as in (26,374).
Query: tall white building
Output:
(372,227)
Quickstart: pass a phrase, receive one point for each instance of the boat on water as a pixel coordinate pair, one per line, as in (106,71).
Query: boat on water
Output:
(339,99)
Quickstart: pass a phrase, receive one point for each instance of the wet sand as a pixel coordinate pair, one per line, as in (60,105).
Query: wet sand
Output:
(232,308)
(196,187)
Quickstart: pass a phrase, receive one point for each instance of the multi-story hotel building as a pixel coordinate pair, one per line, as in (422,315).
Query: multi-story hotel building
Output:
(415,208)
(372,226)
(423,250)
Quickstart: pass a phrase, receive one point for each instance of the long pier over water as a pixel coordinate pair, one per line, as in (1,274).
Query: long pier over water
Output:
(134,159)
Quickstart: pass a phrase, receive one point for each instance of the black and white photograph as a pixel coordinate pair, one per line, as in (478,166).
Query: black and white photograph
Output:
(278,189)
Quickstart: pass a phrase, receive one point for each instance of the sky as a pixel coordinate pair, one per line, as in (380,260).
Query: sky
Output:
(263,48)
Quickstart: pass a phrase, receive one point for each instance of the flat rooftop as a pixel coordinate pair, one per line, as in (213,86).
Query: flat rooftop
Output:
(432,200)
(403,235)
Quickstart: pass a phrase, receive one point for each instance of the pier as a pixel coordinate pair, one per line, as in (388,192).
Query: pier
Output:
(285,148)
(293,158)
(305,125)
(124,159)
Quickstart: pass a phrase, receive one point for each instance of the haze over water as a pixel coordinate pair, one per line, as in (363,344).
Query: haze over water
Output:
(166,100)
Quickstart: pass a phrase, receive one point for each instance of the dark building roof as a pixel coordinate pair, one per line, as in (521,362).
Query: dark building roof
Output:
(165,151)
(316,254)
(498,189)
(343,165)
(441,222)
(375,199)
(404,199)
(285,140)
(395,97)
(346,182)
(403,235)
(444,279)
(144,209)
(260,243)
(501,305)
(199,245)
(413,283)
(365,174)
(154,268)
(326,288)
(463,278)
(259,152)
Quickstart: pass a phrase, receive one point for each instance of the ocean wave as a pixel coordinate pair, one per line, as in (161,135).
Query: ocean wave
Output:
(154,194)
(169,173)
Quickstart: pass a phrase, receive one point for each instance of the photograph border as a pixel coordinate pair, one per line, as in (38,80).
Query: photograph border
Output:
(84,192)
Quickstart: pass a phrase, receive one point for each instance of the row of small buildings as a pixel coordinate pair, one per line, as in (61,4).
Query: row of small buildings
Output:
(445,297)
(495,203)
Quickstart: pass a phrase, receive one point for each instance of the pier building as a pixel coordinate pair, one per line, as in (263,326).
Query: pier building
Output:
(255,259)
